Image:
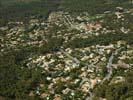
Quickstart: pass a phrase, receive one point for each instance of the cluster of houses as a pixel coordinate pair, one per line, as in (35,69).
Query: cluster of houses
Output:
(76,69)
(88,72)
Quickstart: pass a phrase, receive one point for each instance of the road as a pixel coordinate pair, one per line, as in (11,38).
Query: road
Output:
(108,66)
(109,69)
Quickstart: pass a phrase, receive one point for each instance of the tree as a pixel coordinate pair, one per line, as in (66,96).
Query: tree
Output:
(16,80)
(131,1)
(0,3)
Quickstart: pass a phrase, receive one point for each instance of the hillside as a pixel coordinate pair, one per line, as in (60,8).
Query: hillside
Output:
(22,9)
(66,50)
(9,2)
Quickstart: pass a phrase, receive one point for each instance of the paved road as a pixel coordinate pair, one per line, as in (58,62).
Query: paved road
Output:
(109,65)
(109,69)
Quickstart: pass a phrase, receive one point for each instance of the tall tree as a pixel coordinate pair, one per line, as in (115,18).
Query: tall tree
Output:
(131,1)
(0,3)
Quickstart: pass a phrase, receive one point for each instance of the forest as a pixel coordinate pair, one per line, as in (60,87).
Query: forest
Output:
(23,10)
(16,10)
